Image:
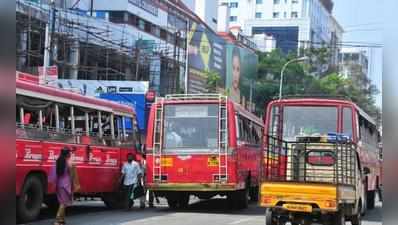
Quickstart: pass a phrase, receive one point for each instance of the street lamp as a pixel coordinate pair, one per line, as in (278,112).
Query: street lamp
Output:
(283,70)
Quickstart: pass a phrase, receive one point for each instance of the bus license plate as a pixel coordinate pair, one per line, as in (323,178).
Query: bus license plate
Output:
(298,207)
(212,161)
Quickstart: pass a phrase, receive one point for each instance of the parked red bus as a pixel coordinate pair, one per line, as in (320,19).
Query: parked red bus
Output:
(99,133)
(203,145)
(288,119)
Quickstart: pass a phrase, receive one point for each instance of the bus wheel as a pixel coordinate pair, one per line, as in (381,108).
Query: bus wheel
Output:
(114,200)
(183,201)
(370,198)
(30,200)
(52,202)
(254,194)
(172,202)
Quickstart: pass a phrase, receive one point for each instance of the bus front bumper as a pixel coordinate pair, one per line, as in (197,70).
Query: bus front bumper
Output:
(194,187)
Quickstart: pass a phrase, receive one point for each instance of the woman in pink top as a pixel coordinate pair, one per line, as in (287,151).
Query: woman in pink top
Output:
(64,184)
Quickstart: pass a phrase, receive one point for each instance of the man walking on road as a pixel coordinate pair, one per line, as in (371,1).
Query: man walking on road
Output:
(131,175)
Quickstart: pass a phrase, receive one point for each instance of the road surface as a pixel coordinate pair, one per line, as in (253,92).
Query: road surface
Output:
(211,212)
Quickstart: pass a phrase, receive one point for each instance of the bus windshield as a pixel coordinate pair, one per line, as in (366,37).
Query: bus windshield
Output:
(308,121)
(190,127)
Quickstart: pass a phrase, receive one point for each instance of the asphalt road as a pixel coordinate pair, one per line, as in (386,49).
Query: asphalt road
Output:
(211,212)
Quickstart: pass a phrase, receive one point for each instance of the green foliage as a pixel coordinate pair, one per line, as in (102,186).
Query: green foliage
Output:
(213,79)
(299,80)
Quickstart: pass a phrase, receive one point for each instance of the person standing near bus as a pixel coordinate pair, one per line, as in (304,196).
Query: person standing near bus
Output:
(131,173)
(66,182)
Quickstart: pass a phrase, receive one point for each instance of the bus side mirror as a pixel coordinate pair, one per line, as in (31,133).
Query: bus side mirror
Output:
(366,171)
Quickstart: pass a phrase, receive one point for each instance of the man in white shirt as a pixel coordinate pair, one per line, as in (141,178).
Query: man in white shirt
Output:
(131,175)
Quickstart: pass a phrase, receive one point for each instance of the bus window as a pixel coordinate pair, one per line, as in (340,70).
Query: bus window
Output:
(191,127)
(308,121)
(347,121)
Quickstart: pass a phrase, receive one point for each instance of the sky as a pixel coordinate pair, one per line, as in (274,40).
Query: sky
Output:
(362,22)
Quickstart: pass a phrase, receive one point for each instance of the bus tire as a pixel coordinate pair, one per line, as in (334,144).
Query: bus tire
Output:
(30,200)
(370,199)
(254,194)
(52,202)
(172,202)
(243,198)
(183,201)
(114,200)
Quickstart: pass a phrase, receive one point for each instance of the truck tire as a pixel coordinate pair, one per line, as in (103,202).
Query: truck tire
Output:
(114,200)
(30,200)
(357,219)
(370,199)
(339,218)
(269,218)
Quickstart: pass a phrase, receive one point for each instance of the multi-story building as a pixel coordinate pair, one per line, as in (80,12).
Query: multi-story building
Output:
(206,10)
(132,40)
(293,23)
(354,63)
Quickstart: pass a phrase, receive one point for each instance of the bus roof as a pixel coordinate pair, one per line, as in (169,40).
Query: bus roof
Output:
(64,96)
(324,102)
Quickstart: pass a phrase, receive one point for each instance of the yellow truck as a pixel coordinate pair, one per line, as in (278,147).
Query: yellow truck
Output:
(311,180)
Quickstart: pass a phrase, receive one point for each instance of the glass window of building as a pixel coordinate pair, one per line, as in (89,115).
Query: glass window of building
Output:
(294,1)
(233,5)
(259,1)
(275,15)
(233,18)
(294,14)
(277,2)
(258,15)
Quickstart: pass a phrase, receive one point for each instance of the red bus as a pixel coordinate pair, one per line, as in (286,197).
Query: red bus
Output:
(288,119)
(100,133)
(203,145)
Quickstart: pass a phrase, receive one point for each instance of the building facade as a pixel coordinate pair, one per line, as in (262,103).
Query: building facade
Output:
(294,24)
(354,64)
(206,10)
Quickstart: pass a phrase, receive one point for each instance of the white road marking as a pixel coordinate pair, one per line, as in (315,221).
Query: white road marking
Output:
(241,220)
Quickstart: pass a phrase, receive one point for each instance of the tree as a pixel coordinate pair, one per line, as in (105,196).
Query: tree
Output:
(299,79)
(212,81)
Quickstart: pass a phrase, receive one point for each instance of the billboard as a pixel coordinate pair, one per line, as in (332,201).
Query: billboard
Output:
(97,87)
(206,51)
(130,93)
(241,70)
(136,101)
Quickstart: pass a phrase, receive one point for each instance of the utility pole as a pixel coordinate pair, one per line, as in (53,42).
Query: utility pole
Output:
(47,42)
(137,65)
(91,7)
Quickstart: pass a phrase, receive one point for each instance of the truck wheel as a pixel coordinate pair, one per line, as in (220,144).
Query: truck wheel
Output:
(339,218)
(370,198)
(269,218)
(254,194)
(30,199)
(114,200)
(357,219)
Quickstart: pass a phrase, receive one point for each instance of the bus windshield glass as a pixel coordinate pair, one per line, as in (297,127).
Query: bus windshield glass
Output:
(190,127)
(308,121)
